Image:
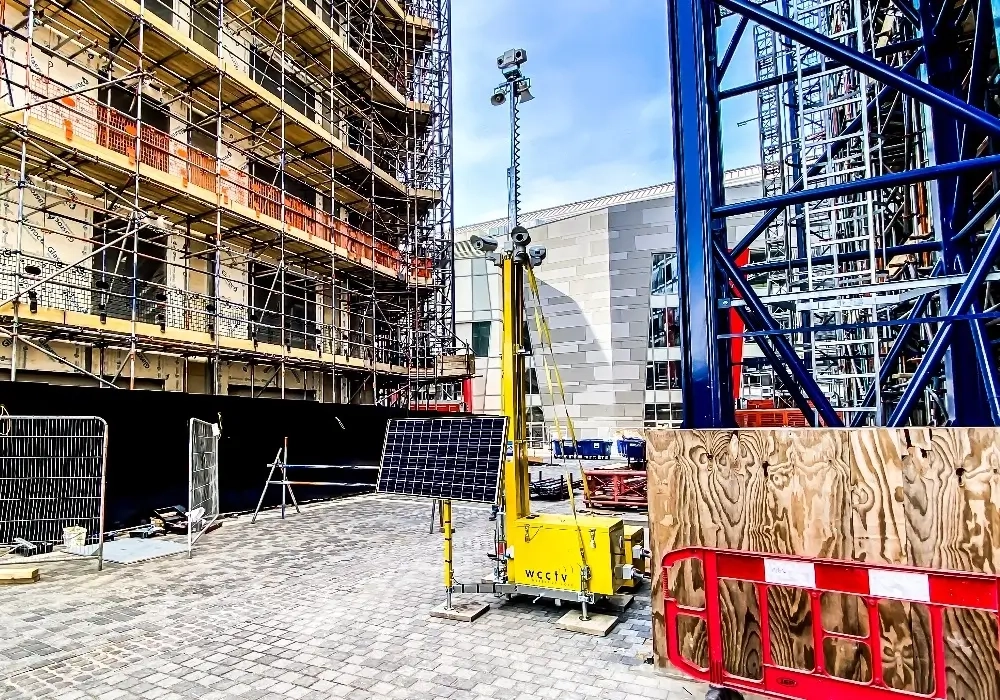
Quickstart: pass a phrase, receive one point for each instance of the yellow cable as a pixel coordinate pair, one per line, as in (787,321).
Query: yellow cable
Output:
(546,338)
(539,320)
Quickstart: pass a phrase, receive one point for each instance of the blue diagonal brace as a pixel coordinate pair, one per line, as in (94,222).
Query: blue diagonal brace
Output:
(734,44)
(976,222)
(986,359)
(906,8)
(865,64)
(764,343)
(843,189)
(888,362)
(966,294)
(781,344)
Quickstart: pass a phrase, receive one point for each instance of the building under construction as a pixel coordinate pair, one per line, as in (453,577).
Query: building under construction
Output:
(249,197)
(870,289)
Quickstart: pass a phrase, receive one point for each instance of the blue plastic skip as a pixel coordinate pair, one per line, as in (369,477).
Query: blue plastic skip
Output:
(563,448)
(632,449)
(594,449)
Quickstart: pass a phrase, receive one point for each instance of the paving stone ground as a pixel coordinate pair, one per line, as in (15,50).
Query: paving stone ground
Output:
(332,603)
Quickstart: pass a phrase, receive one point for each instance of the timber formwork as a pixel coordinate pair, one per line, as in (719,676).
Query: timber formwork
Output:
(250,196)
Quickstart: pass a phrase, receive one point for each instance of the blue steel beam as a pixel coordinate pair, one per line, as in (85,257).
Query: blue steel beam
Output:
(890,252)
(817,167)
(886,369)
(964,399)
(734,44)
(781,344)
(926,320)
(976,96)
(918,90)
(779,367)
(906,177)
(691,46)
(789,76)
(935,351)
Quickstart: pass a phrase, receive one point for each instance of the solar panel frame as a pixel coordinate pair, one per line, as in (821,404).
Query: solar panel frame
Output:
(460,459)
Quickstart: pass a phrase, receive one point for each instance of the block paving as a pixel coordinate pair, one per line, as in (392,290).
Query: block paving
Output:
(332,603)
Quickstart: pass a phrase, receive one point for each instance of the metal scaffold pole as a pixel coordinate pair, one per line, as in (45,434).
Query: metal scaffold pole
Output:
(286,199)
(879,177)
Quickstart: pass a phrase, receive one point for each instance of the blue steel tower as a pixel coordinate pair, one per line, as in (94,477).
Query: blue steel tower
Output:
(870,289)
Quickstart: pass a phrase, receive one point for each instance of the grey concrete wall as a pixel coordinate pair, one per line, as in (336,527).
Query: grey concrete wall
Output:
(595,293)
(594,287)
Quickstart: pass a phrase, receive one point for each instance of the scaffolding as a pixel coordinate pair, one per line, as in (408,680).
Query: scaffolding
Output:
(247,197)
(829,124)
(870,295)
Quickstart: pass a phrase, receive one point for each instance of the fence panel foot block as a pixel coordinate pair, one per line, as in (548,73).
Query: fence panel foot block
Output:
(595,624)
(461,612)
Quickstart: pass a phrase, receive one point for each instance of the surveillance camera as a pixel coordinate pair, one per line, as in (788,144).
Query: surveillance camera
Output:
(520,236)
(483,244)
(498,98)
(536,254)
(512,58)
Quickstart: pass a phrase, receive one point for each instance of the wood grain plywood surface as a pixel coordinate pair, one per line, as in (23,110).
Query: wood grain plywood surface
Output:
(926,497)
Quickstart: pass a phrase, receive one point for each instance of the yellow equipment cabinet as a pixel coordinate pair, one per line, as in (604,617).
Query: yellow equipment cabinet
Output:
(543,551)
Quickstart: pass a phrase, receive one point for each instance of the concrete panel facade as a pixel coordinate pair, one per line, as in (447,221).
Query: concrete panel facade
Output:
(595,294)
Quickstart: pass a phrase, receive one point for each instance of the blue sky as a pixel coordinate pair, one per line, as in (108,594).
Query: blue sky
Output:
(600,122)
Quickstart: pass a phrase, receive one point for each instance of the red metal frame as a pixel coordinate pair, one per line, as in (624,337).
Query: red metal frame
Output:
(615,488)
(935,589)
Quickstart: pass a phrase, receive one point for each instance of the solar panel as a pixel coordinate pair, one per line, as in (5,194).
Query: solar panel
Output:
(456,458)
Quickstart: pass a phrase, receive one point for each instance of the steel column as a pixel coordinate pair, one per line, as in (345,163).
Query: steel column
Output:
(705,364)
(965,401)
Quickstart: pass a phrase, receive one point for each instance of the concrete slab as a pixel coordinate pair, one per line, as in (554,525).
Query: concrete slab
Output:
(597,624)
(461,612)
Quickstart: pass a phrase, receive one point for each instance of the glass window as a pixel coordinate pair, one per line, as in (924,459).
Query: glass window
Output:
(530,381)
(480,286)
(664,276)
(481,338)
(664,328)
(667,415)
(657,328)
(536,427)
(663,375)
(673,328)
(463,267)
(656,375)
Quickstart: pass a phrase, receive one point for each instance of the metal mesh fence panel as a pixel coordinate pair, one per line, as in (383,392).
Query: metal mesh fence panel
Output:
(203,478)
(52,472)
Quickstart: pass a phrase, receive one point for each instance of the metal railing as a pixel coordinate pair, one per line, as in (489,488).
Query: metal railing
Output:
(203,478)
(52,475)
